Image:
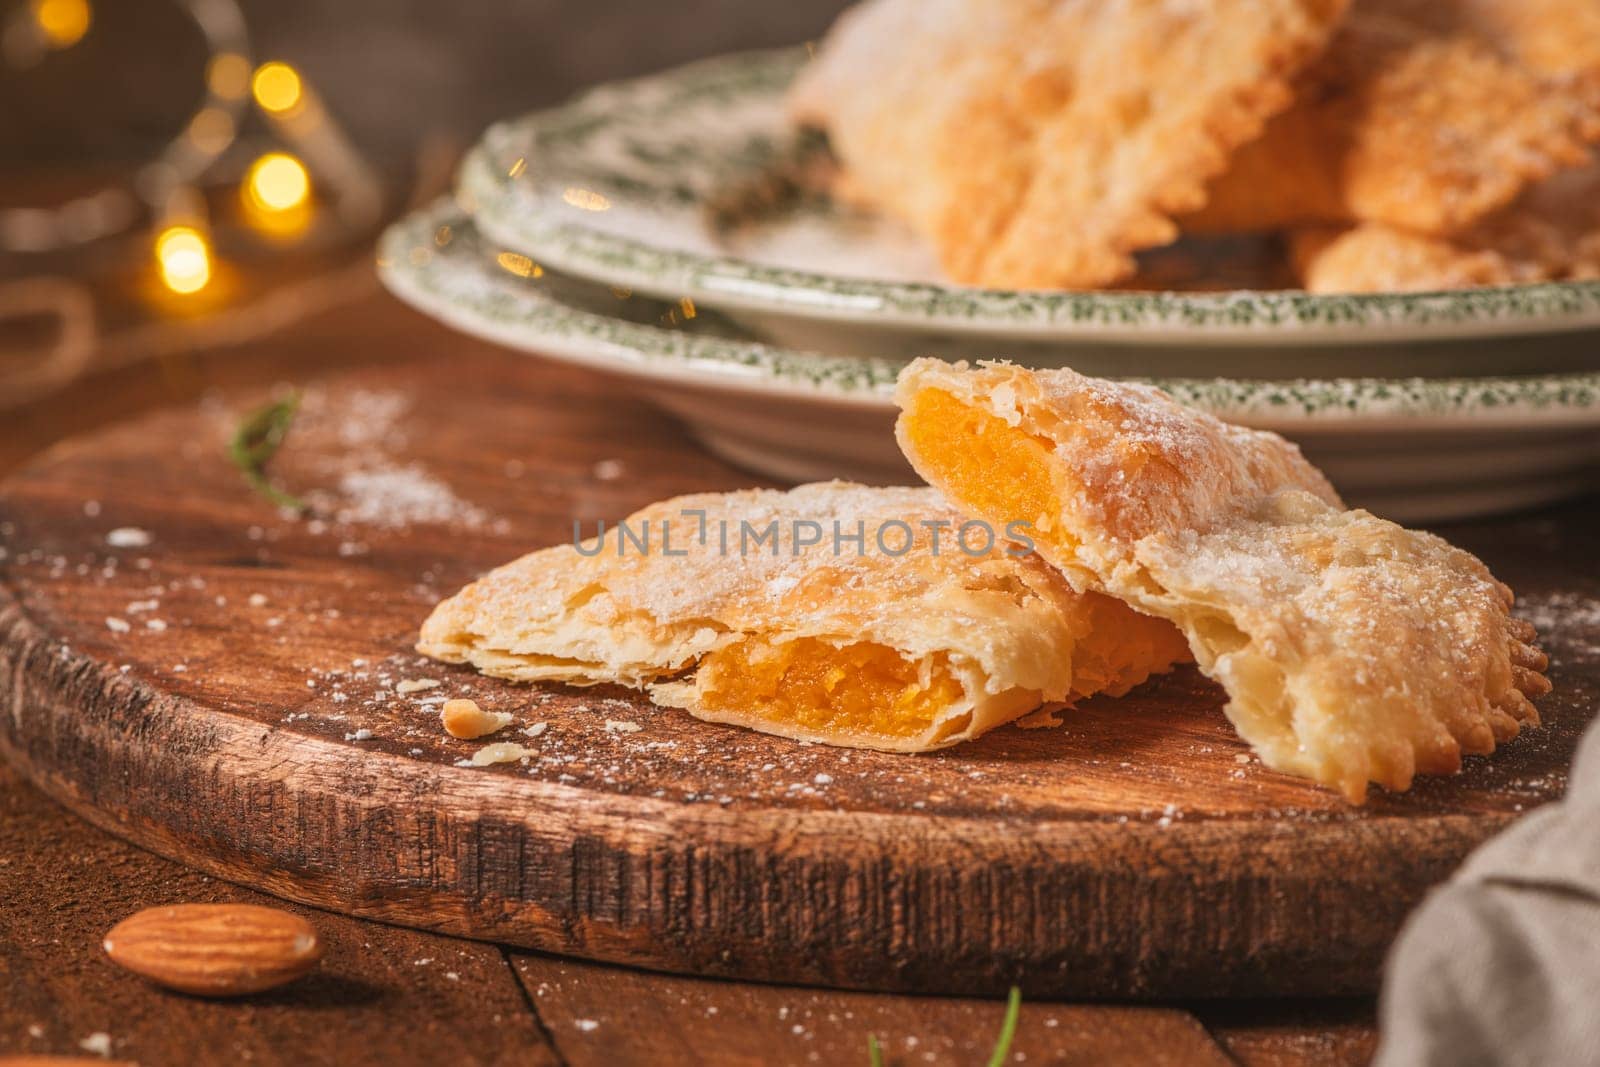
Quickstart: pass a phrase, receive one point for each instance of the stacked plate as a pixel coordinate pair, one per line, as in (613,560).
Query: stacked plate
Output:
(664,230)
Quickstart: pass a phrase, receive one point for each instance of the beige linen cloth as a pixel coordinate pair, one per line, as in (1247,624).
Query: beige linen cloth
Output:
(1501,965)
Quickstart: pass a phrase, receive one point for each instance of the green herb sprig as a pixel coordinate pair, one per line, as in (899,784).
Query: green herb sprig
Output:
(257,440)
(1008,1028)
(1002,1048)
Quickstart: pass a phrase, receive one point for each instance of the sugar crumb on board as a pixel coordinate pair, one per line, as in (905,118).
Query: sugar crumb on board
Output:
(1568,623)
(357,441)
(499,752)
(128,537)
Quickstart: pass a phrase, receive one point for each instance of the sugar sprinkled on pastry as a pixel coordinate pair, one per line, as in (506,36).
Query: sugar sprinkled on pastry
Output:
(1039,143)
(1552,233)
(1352,650)
(1427,115)
(746,610)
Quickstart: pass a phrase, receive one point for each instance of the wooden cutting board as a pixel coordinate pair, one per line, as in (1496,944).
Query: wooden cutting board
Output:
(188,668)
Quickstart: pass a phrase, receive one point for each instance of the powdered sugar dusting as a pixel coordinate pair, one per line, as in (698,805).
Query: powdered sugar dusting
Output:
(1568,623)
(401,495)
(361,437)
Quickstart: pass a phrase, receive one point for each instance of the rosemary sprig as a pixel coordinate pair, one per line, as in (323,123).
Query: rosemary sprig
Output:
(1008,1028)
(1002,1048)
(257,440)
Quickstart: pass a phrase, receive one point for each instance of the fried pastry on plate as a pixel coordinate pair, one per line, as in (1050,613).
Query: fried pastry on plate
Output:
(1427,115)
(1352,650)
(746,610)
(1554,37)
(1039,143)
(1552,233)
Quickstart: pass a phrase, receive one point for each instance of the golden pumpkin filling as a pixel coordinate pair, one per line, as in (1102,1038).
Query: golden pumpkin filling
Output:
(991,467)
(862,689)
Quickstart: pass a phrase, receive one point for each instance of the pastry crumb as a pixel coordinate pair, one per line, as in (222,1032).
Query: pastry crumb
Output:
(1043,719)
(97,1044)
(128,537)
(415,685)
(535,729)
(500,752)
(621,726)
(464,719)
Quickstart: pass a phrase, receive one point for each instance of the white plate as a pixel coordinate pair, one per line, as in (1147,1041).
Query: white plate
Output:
(632,185)
(1412,449)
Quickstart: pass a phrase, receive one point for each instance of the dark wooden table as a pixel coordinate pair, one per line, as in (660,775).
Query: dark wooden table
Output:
(392,995)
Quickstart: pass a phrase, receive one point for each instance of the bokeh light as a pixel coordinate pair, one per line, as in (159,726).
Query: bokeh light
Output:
(277,87)
(228,75)
(63,22)
(277,182)
(184,259)
(211,129)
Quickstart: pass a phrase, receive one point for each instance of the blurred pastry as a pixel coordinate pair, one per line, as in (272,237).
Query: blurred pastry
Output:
(1040,143)
(1426,115)
(1552,233)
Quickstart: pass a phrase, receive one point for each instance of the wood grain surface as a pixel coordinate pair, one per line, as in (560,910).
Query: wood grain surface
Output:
(383,994)
(395,996)
(256,731)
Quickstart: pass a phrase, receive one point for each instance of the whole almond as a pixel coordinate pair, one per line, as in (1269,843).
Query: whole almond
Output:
(215,950)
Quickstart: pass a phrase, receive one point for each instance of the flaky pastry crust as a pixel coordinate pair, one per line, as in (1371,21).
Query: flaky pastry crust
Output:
(1352,650)
(903,648)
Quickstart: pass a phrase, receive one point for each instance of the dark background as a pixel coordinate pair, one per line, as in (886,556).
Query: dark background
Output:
(390,70)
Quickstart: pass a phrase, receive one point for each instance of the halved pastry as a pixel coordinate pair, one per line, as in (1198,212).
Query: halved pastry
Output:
(1038,143)
(1352,650)
(1427,115)
(833,612)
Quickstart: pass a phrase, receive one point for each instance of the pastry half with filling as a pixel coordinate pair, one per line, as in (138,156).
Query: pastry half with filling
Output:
(1352,650)
(871,618)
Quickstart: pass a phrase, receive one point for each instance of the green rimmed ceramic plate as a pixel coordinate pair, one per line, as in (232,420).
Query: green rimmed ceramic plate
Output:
(1413,449)
(674,186)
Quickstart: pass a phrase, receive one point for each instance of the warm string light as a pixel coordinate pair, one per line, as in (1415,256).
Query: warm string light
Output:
(298,116)
(212,129)
(278,89)
(228,75)
(183,256)
(276,192)
(277,182)
(62,23)
(39,27)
